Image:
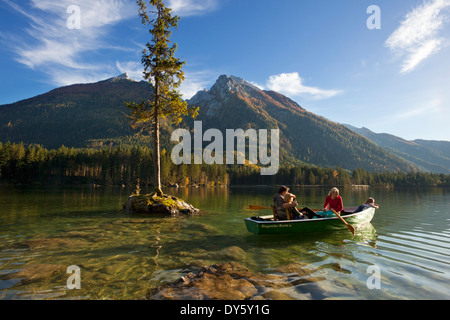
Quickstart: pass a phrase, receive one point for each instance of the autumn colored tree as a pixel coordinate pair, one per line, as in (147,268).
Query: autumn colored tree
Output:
(164,72)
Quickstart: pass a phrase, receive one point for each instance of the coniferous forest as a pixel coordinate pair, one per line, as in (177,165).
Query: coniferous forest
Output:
(123,165)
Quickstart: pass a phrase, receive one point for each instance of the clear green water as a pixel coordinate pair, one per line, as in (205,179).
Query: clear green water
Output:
(122,256)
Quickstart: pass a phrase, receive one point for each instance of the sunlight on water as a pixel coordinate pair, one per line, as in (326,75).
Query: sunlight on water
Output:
(124,256)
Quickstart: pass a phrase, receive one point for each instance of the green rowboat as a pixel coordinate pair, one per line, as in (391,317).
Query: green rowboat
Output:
(266,225)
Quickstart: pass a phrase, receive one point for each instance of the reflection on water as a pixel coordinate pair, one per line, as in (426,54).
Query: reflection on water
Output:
(123,256)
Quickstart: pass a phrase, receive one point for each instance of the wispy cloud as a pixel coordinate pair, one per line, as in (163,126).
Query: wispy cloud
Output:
(192,7)
(423,107)
(418,38)
(66,56)
(133,68)
(292,84)
(257,85)
(50,46)
(196,81)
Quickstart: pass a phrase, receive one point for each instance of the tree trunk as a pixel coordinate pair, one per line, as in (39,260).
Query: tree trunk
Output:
(157,155)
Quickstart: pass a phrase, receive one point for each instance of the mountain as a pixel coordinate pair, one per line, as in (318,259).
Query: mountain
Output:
(74,114)
(79,114)
(306,138)
(427,155)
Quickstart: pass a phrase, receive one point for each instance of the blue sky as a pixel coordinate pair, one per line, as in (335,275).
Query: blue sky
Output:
(320,53)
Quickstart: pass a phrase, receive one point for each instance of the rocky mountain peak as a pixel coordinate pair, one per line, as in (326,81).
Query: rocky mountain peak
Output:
(122,77)
(221,91)
(232,83)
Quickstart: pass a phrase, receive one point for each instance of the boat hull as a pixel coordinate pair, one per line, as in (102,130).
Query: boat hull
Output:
(309,225)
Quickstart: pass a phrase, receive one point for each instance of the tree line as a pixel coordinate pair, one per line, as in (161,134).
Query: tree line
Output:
(311,175)
(123,165)
(103,166)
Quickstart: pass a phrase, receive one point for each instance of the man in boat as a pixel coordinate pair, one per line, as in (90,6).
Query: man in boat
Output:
(281,205)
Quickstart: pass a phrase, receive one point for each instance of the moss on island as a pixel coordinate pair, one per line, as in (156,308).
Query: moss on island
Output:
(158,204)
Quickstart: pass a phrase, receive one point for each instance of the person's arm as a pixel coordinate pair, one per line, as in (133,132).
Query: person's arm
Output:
(279,202)
(290,205)
(340,205)
(327,202)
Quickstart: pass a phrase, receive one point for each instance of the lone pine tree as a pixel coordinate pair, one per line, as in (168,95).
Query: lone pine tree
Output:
(164,72)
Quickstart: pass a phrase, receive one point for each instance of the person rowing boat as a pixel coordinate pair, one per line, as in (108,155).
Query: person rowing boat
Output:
(333,201)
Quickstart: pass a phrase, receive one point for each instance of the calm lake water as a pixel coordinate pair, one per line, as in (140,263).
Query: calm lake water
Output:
(121,256)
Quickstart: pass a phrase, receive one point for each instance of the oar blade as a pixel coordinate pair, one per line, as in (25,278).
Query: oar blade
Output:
(351,228)
(252,207)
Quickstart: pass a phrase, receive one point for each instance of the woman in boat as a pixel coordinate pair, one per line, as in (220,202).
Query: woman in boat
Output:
(333,201)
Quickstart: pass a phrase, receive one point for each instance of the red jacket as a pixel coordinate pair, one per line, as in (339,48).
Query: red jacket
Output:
(335,204)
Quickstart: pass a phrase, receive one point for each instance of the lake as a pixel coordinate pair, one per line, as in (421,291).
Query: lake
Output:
(403,254)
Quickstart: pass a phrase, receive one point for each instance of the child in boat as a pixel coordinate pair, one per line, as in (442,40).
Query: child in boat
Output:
(333,201)
(370,203)
(305,213)
(293,211)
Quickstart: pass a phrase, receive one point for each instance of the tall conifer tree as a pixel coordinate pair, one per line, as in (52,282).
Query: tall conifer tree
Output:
(164,72)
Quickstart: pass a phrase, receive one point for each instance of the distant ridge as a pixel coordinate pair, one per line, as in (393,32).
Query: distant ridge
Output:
(427,155)
(73,115)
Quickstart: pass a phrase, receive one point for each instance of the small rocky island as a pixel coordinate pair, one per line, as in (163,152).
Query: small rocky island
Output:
(158,204)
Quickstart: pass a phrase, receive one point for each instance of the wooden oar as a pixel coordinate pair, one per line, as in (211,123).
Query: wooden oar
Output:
(258,208)
(350,227)
(252,207)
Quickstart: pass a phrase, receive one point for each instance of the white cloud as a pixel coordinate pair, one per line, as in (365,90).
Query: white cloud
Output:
(196,81)
(133,68)
(95,13)
(292,84)
(65,77)
(57,50)
(260,87)
(192,7)
(48,45)
(424,107)
(417,37)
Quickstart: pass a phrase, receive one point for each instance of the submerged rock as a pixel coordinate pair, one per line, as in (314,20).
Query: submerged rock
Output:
(231,253)
(152,203)
(233,281)
(277,295)
(48,243)
(217,282)
(38,273)
(226,281)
